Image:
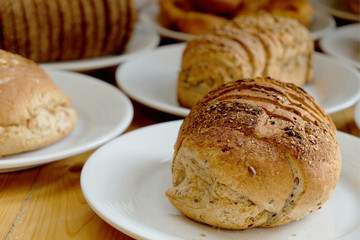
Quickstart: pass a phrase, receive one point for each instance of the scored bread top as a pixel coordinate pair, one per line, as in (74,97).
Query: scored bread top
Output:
(264,140)
(24,88)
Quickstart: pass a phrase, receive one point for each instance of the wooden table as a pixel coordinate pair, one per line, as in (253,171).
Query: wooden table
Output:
(47,202)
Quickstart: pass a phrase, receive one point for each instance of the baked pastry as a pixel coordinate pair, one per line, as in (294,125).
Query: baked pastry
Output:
(182,16)
(217,6)
(249,46)
(354,6)
(197,16)
(301,10)
(47,30)
(254,153)
(34,112)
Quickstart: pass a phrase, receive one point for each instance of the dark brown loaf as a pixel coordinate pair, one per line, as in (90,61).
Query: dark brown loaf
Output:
(34,112)
(48,30)
(254,153)
(249,46)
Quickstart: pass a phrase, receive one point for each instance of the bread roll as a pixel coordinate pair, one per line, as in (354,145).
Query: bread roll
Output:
(34,112)
(254,153)
(48,31)
(249,46)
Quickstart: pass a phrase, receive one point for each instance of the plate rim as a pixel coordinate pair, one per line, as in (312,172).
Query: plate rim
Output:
(128,226)
(14,164)
(325,43)
(110,60)
(336,12)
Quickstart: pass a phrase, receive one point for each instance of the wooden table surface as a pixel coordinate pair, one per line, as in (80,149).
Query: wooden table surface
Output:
(47,202)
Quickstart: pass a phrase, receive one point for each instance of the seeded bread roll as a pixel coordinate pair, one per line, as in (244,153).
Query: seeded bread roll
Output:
(254,153)
(48,31)
(34,112)
(249,46)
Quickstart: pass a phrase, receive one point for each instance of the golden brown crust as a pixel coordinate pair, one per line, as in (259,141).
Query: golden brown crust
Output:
(34,111)
(197,16)
(354,6)
(47,30)
(249,46)
(254,153)
(216,6)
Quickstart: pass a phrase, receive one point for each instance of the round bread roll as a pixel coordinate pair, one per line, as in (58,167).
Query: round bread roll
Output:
(48,31)
(34,112)
(260,45)
(254,153)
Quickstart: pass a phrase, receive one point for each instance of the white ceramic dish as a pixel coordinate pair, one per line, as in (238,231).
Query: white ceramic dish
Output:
(357,114)
(104,112)
(142,40)
(126,187)
(321,25)
(337,8)
(344,44)
(152,81)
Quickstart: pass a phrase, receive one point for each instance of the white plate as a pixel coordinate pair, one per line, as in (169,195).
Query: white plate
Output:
(125,181)
(104,112)
(344,43)
(337,8)
(142,40)
(321,25)
(335,86)
(357,114)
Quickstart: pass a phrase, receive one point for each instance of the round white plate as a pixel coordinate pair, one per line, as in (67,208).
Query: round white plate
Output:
(337,8)
(357,114)
(321,25)
(344,44)
(142,40)
(104,112)
(125,181)
(152,81)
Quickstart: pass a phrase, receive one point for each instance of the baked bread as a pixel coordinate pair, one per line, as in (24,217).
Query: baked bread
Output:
(198,16)
(254,153)
(48,31)
(249,46)
(34,112)
(354,6)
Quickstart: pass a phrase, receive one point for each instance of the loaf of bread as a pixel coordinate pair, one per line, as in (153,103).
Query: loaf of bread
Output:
(48,31)
(198,16)
(249,46)
(254,153)
(34,112)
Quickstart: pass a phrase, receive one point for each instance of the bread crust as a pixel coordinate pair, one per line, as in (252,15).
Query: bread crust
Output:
(48,30)
(34,112)
(254,153)
(249,46)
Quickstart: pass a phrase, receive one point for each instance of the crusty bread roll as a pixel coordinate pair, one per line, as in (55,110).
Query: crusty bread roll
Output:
(47,30)
(249,46)
(34,112)
(254,153)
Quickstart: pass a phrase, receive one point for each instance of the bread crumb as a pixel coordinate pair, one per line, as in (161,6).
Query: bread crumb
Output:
(203,234)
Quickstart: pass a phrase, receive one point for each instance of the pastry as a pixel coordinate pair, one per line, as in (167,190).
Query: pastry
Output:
(249,46)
